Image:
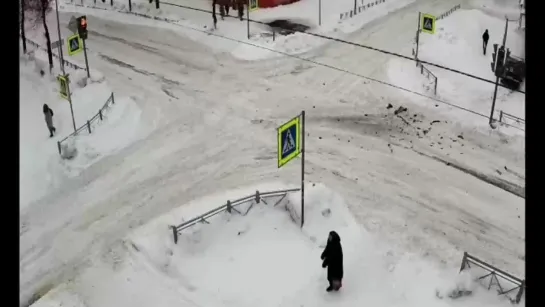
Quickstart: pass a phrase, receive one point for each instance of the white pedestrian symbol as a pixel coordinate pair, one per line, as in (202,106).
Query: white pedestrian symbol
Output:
(75,44)
(427,23)
(289,144)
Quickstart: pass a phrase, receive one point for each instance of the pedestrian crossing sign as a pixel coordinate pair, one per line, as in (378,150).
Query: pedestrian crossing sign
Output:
(428,23)
(75,45)
(289,141)
(63,86)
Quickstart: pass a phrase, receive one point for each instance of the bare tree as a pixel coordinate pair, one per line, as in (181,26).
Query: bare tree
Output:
(35,13)
(44,11)
(23,36)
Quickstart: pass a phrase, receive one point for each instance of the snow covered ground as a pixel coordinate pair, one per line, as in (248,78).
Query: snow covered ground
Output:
(261,259)
(41,169)
(413,189)
(459,36)
(304,12)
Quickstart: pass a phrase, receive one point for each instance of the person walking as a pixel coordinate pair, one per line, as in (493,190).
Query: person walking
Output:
(48,114)
(485,40)
(332,257)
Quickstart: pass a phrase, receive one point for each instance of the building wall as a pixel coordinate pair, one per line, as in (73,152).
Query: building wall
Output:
(273,3)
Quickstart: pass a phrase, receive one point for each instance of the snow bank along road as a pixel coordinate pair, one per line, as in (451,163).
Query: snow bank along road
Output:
(216,121)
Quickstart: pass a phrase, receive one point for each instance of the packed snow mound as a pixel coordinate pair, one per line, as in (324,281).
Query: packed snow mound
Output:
(261,259)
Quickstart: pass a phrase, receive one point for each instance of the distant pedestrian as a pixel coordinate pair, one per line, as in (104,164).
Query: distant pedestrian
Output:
(332,257)
(48,113)
(485,41)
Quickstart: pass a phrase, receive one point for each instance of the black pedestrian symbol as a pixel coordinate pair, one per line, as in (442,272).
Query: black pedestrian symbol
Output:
(289,141)
(74,44)
(428,24)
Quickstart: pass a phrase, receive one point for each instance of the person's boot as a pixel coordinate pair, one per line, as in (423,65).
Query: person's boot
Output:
(330,288)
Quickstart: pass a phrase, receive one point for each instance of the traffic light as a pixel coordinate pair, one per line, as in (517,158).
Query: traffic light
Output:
(82,27)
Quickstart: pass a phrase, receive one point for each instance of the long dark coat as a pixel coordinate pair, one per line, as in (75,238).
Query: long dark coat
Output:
(48,114)
(333,257)
(485,36)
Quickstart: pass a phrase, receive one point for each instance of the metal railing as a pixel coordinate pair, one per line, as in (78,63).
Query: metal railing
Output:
(128,11)
(230,206)
(360,9)
(447,13)
(504,115)
(519,285)
(66,63)
(87,125)
(429,75)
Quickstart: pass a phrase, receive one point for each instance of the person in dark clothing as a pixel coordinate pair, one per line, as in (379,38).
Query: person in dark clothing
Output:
(332,257)
(485,41)
(48,113)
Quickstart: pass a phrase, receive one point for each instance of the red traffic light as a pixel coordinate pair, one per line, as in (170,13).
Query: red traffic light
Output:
(83,22)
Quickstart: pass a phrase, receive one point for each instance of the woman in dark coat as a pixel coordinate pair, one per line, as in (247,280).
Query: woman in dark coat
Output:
(333,259)
(48,114)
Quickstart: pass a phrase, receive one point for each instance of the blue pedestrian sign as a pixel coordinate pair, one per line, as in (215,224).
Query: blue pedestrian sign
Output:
(289,141)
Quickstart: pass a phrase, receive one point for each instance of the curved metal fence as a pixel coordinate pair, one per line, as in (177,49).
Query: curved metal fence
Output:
(87,125)
(231,206)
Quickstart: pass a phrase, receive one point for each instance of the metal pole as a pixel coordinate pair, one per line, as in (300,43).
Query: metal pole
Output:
(70,103)
(319,12)
(86,61)
(302,168)
(248,18)
(491,119)
(417,39)
(355,6)
(61,57)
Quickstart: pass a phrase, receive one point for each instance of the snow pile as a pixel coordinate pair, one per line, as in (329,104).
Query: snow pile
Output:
(462,41)
(42,169)
(261,259)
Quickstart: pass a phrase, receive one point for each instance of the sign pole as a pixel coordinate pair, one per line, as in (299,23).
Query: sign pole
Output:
(248,18)
(417,38)
(69,98)
(86,61)
(491,119)
(302,168)
(61,58)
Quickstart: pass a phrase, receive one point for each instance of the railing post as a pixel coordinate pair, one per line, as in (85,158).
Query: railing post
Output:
(501,115)
(113,100)
(421,69)
(89,126)
(59,147)
(435,89)
(100,114)
(463,266)
(175,234)
(257,197)
(229,207)
(521,290)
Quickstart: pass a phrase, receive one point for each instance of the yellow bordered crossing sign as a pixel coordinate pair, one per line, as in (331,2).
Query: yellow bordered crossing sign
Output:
(289,141)
(254,5)
(428,23)
(74,44)
(63,86)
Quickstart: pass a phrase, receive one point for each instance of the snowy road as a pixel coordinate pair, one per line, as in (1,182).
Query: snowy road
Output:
(216,120)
